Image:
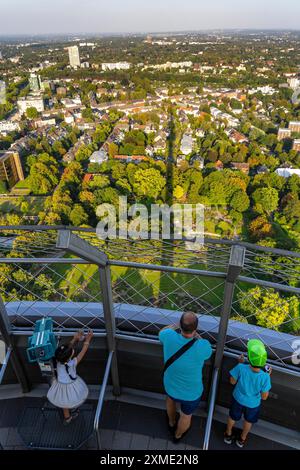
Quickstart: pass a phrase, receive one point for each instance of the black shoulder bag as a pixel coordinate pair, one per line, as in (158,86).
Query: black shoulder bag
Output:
(179,353)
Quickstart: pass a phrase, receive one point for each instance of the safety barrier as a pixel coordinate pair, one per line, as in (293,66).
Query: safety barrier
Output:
(130,289)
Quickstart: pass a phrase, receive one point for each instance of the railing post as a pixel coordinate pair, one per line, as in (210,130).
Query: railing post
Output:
(76,245)
(235,266)
(110,323)
(5,329)
(236,263)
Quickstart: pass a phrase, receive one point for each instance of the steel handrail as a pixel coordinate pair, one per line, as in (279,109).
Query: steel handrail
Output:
(101,398)
(211,408)
(5,364)
(217,241)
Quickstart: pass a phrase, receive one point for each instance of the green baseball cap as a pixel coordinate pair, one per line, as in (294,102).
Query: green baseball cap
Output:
(257,353)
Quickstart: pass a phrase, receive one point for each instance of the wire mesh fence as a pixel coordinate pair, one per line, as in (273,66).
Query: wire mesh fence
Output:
(260,262)
(159,294)
(38,279)
(31,291)
(268,314)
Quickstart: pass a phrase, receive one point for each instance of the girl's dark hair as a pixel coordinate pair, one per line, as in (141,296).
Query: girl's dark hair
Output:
(63,353)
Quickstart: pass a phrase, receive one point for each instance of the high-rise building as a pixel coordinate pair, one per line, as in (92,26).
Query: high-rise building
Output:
(35,82)
(2,92)
(74,56)
(10,168)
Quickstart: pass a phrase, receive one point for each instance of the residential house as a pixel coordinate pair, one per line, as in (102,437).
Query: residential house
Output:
(219,165)
(243,167)
(287,172)
(198,161)
(187,144)
(236,136)
(131,158)
(100,156)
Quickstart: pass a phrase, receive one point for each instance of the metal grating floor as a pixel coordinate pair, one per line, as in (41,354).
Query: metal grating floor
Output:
(42,428)
(29,423)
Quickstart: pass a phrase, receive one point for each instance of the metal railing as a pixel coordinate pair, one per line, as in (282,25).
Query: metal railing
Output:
(211,408)
(130,289)
(101,398)
(5,364)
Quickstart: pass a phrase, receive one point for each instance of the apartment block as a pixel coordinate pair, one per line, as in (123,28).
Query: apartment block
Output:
(10,168)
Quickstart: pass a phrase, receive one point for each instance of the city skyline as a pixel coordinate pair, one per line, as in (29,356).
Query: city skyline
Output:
(68,17)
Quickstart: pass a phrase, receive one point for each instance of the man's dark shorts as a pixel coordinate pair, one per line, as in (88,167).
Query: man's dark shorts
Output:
(187,407)
(237,411)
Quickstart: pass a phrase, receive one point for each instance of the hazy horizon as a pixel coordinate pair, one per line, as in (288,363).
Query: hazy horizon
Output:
(29,17)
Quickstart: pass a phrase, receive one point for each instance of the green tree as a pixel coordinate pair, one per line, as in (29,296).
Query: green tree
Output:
(32,113)
(240,201)
(78,216)
(148,183)
(268,307)
(266,200)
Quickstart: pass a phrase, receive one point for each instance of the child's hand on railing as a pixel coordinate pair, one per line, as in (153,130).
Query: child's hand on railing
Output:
(89,336)
(268,369)
(241,359)
(78,336)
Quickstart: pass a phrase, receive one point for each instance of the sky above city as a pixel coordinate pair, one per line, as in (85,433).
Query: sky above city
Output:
(117,16)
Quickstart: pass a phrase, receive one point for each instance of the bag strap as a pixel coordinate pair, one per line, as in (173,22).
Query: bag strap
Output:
(179,353)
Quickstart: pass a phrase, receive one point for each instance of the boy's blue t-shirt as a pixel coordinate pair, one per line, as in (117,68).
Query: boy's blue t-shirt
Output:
(249,385)
(183,379)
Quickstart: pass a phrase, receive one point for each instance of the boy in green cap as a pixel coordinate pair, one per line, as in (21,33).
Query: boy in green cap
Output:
(252,384)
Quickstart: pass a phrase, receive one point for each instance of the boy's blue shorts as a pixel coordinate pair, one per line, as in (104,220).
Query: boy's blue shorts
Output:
(237,411)
(187,407)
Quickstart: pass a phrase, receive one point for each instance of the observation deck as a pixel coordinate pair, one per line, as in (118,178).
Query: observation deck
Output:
(126,291)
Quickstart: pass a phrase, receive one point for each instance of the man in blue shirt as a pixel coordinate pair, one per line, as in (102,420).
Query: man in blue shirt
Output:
(252,384)
(183,379)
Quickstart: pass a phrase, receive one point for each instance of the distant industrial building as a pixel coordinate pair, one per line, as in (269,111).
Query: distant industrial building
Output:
(294,83)
(284,134)
(8,126)
(296,145)
(74,57)
(294,126)
(116,66)
(31,101)
(10,168)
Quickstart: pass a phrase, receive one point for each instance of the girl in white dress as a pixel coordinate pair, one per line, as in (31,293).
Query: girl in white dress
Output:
(68,390)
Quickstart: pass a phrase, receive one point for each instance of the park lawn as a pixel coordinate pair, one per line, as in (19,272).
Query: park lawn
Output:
(75,280)
(13,204)
(81,282)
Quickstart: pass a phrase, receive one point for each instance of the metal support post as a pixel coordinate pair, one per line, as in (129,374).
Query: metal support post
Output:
(5,329)
(110,323)
(236,263)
